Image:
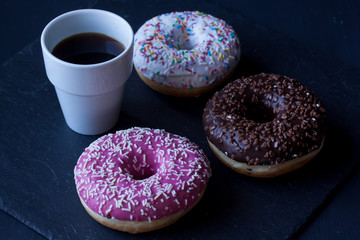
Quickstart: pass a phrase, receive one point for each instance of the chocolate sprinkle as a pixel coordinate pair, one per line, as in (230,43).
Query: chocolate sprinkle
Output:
(265,119)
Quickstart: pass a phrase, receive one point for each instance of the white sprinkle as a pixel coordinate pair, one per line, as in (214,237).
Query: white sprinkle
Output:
(127,209)
(184,154)
(139,150)
(109,210)
(100,207)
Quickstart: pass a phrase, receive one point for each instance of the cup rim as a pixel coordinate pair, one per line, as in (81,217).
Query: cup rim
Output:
(67,14)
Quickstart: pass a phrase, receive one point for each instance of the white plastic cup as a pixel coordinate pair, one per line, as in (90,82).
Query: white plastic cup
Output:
(89,95)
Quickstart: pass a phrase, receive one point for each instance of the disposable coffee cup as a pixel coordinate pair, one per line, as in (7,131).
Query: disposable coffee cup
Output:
(90,95)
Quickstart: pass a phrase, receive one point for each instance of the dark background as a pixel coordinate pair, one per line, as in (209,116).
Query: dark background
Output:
(332,27)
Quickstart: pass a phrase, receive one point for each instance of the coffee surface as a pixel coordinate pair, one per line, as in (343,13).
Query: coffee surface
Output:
(87,48)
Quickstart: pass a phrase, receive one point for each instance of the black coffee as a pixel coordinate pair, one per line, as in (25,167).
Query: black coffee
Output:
(87,48)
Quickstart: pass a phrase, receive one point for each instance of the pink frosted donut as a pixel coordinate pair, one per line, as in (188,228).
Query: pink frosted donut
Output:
(140,179)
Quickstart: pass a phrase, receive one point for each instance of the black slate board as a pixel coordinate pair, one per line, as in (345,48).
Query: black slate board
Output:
(38,151)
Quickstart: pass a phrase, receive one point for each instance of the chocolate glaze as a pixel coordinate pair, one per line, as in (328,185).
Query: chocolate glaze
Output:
(265,119)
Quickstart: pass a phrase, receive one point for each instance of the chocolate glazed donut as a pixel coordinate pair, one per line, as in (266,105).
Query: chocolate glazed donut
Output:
(265,125)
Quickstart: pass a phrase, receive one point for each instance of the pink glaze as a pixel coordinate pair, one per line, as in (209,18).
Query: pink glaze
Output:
(141,174)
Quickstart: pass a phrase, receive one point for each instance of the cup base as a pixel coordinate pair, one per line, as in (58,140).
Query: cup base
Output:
(91,115)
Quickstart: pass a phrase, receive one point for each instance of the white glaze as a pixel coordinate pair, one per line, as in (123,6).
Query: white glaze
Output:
(186,49)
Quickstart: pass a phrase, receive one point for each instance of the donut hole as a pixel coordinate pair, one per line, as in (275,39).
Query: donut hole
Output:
(180,40)
(142,173)
(259,113)
(138,166)
(186,45)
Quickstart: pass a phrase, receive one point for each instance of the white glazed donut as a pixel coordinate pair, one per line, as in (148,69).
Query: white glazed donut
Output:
(185,54)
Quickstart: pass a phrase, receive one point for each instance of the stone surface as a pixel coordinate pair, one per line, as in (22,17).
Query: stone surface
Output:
(38,151)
